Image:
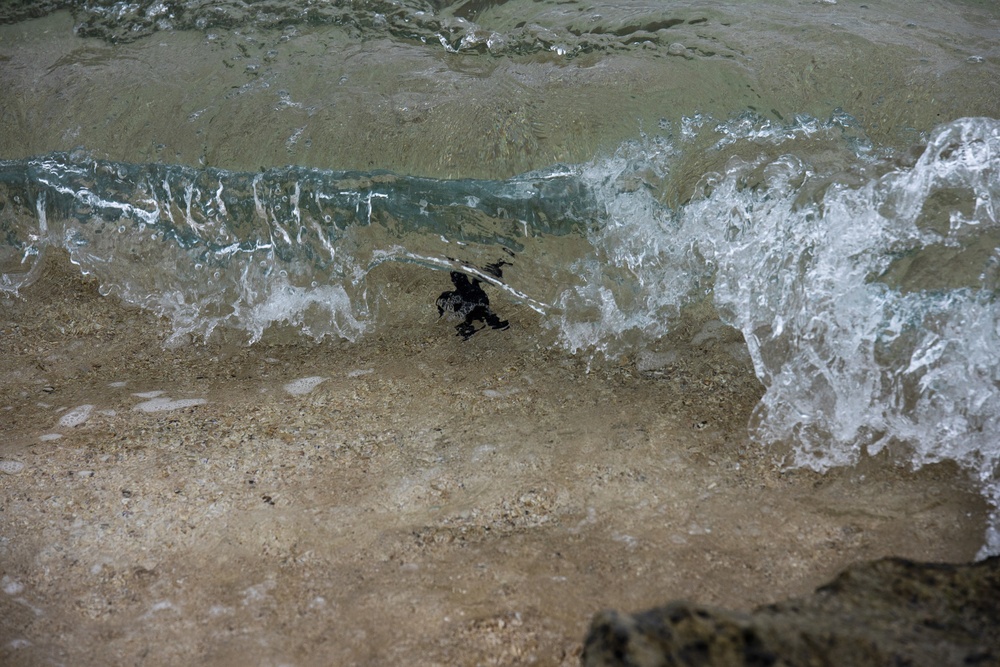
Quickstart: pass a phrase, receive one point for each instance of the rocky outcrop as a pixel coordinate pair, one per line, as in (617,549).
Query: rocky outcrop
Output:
(885,612)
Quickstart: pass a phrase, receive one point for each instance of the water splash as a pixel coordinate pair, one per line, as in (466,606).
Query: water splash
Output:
(867,295)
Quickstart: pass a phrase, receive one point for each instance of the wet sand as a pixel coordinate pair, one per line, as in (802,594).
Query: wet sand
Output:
(430,501)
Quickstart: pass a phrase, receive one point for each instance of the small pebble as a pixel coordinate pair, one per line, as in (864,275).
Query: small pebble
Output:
(678,49)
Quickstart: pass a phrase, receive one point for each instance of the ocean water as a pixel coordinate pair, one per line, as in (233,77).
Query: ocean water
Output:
(862,272)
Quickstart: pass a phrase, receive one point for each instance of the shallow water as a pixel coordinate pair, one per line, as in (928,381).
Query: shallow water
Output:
(856,354)
(746,254)
(822,175)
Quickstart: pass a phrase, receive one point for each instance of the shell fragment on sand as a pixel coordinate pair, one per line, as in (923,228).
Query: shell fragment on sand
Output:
(11,467)
(303,386)
(76,416)
(164,404)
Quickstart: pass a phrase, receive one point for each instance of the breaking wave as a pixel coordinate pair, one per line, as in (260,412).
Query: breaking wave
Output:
(864,283)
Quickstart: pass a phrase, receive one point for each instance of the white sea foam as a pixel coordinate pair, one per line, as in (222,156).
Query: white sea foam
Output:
(856,351)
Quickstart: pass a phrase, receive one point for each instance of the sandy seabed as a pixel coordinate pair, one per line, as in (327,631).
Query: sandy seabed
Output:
(409,498)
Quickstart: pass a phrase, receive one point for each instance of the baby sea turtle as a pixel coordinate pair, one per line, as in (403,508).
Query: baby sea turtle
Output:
(468,301)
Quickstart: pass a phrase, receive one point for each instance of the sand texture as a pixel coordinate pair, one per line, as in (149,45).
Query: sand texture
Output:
(409,499)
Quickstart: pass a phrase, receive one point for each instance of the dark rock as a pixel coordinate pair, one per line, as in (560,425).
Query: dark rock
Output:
(885,612)
(469,302)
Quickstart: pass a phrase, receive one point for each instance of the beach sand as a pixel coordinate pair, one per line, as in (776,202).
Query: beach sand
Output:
(423,500)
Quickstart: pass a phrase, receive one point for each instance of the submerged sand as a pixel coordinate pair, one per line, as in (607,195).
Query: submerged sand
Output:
(408,498)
